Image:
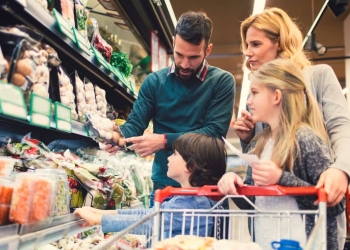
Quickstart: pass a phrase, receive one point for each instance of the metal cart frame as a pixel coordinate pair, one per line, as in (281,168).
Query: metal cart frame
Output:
(316,241)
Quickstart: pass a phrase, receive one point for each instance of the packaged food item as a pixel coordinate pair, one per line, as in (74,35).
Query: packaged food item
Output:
(67,96)
(105,131)
(81,16)
(21,198)
(101,101)
(42,198)
(32,198)
(90,97)
(4,67)
(6,190)
(6,165)
(80,96)
(66,8)
(128,242)
(99,43)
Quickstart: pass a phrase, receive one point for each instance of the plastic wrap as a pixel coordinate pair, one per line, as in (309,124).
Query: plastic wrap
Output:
(99,43)
(80,95)
(67,96)
(6,190)
(101,101)
(105,131)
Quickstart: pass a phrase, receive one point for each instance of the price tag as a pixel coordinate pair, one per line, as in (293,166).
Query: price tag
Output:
(63,117)
(40,111)
(12,101)
(63,25)
(100,59)
(81,41)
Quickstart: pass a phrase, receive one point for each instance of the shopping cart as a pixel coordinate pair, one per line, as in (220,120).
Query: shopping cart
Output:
(224,223)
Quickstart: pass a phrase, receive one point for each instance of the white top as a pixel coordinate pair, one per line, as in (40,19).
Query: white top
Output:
(271,228)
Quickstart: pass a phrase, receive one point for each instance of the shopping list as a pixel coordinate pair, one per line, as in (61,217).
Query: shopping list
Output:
(249,158)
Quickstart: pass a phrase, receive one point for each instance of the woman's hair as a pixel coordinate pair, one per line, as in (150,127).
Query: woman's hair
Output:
(278,27)
(193,27)
(205,158)
(298,108)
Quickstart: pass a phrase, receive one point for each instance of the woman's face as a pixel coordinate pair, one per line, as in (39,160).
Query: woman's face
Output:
(260,49)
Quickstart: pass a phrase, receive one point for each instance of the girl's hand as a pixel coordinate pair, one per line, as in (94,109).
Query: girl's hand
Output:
(91,218)
(244,127)
(227,183)
(266,173)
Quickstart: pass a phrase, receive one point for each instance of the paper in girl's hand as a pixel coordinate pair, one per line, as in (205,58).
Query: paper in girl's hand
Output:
(249,158)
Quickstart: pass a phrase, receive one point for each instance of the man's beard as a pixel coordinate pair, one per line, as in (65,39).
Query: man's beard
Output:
(194,72)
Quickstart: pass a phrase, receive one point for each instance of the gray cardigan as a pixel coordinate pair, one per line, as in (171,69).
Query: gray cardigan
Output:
(308,166)
(324,86)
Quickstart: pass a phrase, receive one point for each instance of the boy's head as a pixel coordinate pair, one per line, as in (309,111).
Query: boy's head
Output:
(198,158)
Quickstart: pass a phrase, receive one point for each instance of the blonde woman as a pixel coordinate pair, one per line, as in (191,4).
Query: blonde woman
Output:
(293,149)
(273,34)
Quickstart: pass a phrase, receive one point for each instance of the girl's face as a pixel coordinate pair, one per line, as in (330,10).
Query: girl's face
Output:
(260,49)
(176,167)
(262,103)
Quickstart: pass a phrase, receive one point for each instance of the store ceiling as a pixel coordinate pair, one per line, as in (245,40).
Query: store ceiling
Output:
(228,14)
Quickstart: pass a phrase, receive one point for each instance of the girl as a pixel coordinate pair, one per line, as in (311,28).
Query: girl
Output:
(197,160)
(293,149)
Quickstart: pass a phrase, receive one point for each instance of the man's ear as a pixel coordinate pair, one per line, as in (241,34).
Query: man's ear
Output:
(208,50)
(277,97)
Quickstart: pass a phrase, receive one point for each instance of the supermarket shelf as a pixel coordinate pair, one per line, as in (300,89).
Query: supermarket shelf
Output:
(53,230)
(34,16)
(17,128)
(33,235)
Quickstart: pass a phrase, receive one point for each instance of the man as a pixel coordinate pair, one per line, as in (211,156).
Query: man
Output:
(189,96)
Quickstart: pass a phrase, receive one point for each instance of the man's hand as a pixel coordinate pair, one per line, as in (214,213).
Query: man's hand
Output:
(335,184)
(266,173)
(227,183)
(112,150)
(146,144)
(244,127)
(91,218)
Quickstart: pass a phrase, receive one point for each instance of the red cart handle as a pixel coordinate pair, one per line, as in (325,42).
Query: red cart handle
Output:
(273,190)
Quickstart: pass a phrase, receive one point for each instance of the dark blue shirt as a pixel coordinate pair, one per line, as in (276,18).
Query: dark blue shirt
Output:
(203,105)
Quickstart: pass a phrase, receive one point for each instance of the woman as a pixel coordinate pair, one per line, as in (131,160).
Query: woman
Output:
(293,152)
(272,34)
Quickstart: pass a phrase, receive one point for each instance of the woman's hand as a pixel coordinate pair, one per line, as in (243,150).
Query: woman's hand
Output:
(227,183)
(244,127)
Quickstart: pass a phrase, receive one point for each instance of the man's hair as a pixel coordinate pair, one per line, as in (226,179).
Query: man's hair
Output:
(205,158)
(193,27)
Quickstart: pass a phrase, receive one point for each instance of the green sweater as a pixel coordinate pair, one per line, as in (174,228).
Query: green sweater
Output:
(178,107)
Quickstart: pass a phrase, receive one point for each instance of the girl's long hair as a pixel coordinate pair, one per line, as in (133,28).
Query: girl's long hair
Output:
(298,108)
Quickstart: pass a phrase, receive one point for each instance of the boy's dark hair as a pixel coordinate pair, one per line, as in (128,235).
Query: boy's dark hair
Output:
(205,158)
(193,27)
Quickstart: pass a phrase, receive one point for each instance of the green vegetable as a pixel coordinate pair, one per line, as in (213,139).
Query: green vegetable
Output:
(121,62)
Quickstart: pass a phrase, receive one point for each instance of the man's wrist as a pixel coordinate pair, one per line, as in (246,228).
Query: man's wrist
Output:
(165,142)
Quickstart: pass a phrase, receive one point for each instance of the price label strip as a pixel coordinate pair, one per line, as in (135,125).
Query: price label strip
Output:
(63,117)
(40,111)
(12,101)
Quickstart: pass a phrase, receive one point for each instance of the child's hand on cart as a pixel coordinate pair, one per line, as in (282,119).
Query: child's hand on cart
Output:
(227,183)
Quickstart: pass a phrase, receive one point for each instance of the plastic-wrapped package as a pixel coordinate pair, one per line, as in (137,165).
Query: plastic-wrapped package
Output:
(80,95)
(6,165)
(99,43)
(6,190)
(62,198)
(4,67)
(67,96)
(101,101)
(111,113)
(32,198)
(90,97)
(66,8)
(81,16)
(105,131)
